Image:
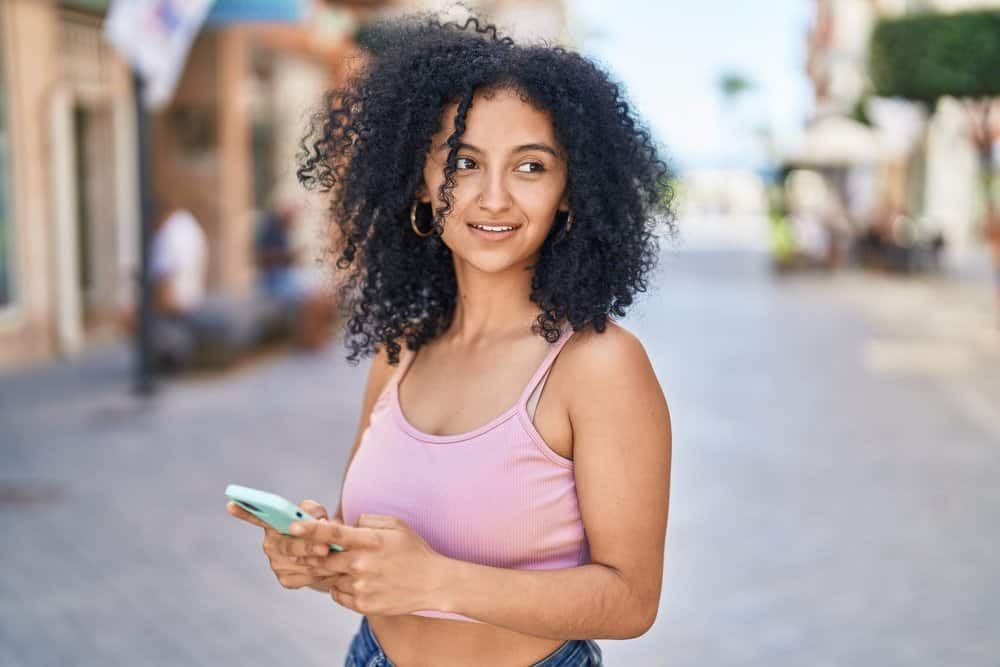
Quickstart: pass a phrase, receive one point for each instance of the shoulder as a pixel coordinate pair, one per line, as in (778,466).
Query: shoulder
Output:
(183,230)
(604,369)
(614,349)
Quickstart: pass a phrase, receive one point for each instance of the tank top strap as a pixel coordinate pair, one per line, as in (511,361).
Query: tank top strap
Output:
(405,359)
(546,364)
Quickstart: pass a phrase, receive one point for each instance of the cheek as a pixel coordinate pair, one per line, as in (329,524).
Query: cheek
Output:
(462,194)
(541,206)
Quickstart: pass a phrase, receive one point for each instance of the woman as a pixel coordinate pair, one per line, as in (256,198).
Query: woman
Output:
(505,502)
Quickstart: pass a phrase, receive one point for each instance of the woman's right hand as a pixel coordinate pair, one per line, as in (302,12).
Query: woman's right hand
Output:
(285,551)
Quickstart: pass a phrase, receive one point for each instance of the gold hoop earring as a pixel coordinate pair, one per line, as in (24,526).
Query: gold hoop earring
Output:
(413,222)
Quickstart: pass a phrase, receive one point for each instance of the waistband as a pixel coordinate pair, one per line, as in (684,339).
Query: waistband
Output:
(367,639)
(571,654)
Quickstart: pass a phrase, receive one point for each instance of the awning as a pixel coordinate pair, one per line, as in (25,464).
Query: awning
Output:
(236,11)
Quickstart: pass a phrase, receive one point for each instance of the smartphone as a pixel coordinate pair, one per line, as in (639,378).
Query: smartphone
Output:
(270,508)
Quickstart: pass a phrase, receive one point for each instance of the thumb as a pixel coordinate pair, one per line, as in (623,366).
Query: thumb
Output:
(379,521)
(314,509)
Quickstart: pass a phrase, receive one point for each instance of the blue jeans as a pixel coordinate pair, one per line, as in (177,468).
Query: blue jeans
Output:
(365,651)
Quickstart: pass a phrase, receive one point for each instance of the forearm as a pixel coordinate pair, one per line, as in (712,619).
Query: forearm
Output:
(591,601)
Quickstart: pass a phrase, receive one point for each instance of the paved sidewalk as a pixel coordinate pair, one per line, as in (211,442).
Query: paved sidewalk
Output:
(834,488)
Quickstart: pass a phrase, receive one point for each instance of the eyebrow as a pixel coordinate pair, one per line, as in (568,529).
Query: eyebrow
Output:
(545,148)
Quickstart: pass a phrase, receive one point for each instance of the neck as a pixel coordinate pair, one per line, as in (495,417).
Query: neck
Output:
(491,305)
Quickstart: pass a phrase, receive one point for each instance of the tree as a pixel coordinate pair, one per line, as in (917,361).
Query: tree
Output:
(925,57)
(733,87)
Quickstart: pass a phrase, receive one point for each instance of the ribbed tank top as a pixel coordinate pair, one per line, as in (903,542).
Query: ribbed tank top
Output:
(497,495)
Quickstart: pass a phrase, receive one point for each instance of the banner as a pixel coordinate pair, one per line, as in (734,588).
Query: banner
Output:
(155,37)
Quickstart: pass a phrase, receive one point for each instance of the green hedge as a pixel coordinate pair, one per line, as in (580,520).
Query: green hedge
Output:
(927,56)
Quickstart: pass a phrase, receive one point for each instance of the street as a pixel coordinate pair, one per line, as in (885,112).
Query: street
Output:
(836,451)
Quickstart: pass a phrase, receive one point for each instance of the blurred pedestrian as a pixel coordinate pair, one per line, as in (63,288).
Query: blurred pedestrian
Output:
(178,259)
(992,232)
(280,277)
(511,469)
(178,269)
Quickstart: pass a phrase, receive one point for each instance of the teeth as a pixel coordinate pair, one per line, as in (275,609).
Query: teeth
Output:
(487,228)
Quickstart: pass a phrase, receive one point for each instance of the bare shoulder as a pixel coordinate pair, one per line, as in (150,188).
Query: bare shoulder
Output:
(604,370)
(616,350)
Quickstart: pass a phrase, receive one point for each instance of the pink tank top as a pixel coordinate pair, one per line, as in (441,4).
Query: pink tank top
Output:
(496,495)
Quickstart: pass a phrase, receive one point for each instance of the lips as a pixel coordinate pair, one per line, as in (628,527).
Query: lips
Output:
(493,231)
(493,226)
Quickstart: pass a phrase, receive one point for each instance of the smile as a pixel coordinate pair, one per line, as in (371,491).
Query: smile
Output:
(494,232)
(494,228)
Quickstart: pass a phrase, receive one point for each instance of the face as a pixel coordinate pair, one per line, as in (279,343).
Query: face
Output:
(509,184)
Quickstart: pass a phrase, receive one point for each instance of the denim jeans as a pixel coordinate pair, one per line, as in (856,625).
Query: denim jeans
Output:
(365,651)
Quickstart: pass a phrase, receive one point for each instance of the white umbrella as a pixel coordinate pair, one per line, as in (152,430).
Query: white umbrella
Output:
(838,141)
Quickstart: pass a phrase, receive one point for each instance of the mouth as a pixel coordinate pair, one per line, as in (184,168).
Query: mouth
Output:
(493,232)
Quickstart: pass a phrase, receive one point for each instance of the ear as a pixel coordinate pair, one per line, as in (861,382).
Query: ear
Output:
(421,194)
(564,204)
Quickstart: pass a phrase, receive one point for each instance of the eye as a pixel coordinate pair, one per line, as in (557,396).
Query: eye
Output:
(463,163)
(534,167)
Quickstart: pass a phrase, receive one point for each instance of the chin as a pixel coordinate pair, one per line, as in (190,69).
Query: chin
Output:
(492,262)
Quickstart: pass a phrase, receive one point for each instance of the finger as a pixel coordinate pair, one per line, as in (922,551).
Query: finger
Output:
(328,566)
(294,581)
(290,567)
(243,515)
(343,599)
(295,546)
(326,582)
(380,521)
(331,532)
(345,584)
(314,509)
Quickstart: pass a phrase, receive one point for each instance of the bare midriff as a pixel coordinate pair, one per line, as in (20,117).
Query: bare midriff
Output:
(419,641)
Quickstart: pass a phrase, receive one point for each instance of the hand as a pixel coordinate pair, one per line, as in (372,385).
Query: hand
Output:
(386,568)
(285,553)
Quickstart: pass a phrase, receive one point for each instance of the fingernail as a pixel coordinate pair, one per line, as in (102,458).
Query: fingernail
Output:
(320,551)
(296,529)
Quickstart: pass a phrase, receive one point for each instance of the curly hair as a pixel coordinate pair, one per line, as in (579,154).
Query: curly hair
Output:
(368,145)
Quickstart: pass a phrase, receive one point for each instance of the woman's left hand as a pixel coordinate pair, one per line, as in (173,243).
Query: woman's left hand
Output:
(385,569)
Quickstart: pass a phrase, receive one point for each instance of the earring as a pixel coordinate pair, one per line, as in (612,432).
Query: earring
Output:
(569,221)
(413,222)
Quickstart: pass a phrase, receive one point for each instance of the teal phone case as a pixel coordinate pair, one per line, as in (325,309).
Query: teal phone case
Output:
(270,508)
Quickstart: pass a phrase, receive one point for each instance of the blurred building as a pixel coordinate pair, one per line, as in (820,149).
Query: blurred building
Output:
(892,168)
(723,192)
(68,157)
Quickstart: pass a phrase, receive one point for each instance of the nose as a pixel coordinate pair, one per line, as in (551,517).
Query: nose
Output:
(494,196)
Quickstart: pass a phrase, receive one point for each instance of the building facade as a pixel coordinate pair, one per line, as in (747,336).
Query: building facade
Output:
(69,202)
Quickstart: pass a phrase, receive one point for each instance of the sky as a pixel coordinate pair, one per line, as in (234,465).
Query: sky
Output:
(670,53)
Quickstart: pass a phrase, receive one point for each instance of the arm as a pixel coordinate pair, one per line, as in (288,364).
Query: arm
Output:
(164,298)
(621,451)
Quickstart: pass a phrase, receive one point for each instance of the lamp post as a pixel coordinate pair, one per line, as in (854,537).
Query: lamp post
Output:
(145,367)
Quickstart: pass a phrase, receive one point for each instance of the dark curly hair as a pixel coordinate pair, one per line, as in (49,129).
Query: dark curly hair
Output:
(368,146)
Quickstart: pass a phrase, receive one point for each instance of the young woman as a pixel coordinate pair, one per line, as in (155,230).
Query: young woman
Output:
(505,502)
